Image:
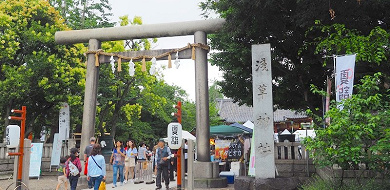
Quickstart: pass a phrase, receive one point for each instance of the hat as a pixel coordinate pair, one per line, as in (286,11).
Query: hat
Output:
(161,140)
(92,139)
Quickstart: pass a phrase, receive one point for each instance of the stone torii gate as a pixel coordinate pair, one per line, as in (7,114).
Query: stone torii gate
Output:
(197,28)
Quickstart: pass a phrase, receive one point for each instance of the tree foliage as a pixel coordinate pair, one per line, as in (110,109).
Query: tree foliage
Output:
(358,133)
(137,107)
(189,110)
(83,14)
(34,70)
(297,47)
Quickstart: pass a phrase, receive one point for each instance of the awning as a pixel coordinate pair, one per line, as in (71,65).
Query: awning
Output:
(225,130)
(242,127)
(185,135)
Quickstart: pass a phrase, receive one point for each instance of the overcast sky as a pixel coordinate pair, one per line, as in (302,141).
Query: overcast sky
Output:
(166,11)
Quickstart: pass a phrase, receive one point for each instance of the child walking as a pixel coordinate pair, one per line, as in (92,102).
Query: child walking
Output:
(62,179)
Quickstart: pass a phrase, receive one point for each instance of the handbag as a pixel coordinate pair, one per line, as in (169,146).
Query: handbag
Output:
(102,185)
(73,170)
(127,159)
(86,168)
(144,165)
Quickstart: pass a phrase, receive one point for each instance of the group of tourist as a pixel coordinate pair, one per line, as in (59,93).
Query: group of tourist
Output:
(126,158)
(70,167)
(123,159)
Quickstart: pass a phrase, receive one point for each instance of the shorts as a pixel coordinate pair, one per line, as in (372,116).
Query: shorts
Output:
(130,162)
(62,179)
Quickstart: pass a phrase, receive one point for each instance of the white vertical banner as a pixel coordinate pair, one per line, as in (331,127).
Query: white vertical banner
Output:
(56,152)
(344,74)
(64,122)
(251,171)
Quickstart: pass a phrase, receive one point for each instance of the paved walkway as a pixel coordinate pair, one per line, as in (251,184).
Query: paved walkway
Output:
(141,186)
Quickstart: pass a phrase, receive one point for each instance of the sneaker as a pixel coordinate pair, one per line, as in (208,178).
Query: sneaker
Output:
(159,187)
(125,181)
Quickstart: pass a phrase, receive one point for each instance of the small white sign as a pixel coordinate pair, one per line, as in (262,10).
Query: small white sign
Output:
(174,135)
(56,152)
(35,159)
(64,122)
(12,136)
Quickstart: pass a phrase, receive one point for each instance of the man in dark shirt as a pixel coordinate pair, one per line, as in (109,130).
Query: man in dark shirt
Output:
(87,153)
(163,155)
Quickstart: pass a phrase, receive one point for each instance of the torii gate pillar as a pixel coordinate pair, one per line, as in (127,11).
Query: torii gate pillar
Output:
(202,100)
(90,97)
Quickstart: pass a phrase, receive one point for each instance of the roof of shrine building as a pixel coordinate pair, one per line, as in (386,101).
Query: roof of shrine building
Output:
(232,112)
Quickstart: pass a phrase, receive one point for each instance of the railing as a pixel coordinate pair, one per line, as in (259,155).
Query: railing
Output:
(48,148)
(46,151)
(283,151)
(3,151)
(290,151)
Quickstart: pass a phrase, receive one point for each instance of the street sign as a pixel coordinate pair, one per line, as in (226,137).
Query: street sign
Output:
(12,136)
(64,122)
(174,135)
(236,150)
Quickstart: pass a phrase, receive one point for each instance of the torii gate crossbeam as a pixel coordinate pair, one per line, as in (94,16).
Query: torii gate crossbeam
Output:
(95,36)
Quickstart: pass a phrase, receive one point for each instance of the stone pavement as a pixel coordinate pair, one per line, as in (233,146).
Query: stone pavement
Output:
(49,182)
(141,186)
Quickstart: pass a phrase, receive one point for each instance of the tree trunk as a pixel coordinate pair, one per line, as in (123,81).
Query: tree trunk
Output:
(118,107)
(7,114)
(102,115)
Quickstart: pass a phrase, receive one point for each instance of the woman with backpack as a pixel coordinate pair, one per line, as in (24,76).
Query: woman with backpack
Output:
(96,167)
(73,168)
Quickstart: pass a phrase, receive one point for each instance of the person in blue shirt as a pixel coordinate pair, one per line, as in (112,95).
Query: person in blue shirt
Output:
(96,166)
(163,155)
(118,162)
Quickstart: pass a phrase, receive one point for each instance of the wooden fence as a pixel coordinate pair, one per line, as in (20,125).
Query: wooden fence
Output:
(290,151)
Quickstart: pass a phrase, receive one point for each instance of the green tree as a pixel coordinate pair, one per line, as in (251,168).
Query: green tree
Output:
(83,14)
(189,109)
(34,70)
(370,49)
(215,93)
(359,132)
(285,25)
(139,106)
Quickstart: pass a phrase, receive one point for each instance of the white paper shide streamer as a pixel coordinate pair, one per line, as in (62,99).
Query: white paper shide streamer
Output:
(112,63)
(131,68)
(152,70)
(177,61)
